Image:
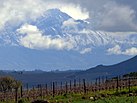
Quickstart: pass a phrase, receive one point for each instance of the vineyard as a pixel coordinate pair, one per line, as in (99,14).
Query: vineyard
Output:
(76,87)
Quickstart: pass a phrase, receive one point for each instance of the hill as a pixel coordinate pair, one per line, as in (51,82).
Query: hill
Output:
(37,77)
(124,67)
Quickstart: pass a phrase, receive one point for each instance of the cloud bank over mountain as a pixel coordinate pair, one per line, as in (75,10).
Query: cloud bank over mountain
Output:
(70,25)
(34,39)
(117,50)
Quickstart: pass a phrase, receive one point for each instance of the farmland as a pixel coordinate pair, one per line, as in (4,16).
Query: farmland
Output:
(121,89)
(101,97)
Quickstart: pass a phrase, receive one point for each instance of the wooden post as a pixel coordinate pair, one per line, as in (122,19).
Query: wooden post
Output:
(16,95)
(102,82)
(41,93)
(129,84)
(96,85)
(27,91)
(70,85)
(74,85)
(46,87)
(117,81)
(96,82)
(120,83)
(50,90)
(106,84)
(21,91)
(66,87)
(53,90)
(61,88)
(84,85)
(56,89)
(33,92)
(99,83)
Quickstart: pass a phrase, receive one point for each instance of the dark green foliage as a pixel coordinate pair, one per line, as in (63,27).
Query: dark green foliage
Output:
(7,84)
(132,74)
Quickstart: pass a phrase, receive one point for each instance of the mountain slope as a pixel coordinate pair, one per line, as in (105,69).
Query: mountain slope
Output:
(112,70)
(37,77)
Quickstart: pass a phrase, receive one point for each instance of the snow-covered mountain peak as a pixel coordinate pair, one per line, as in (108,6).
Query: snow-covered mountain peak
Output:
(57,30)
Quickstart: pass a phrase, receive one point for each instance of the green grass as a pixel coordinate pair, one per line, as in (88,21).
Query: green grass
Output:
(110,99)
(106,96)
(77,98)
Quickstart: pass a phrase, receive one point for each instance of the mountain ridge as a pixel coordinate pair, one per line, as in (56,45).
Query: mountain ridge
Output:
(121,68)
(89,74)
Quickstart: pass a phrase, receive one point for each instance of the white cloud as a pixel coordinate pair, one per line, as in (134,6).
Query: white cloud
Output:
(131,51)
(117,50)
(31,37)
(23,10)
(70,22)
(70,26)
(117,17)
(14,10)
(75,12)
(86,50)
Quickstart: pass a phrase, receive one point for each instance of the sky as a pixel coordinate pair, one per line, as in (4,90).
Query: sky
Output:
(109,13)
(89,25)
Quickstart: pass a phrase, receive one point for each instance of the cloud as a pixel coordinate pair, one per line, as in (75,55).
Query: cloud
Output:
(75,12)
(31,37)
(70,22)
(104,15)
(14,11)
(86,50)
(118,17)
(131,51)
(117,50)
(70,26)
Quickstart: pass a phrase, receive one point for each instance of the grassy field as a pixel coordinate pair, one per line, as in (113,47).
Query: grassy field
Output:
(86,99)
(110,96)
(79,99)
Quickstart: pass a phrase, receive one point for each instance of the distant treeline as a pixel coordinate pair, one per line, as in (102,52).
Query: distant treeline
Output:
(132,74)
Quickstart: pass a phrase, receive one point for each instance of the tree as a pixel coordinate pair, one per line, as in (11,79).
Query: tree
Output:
(8,83)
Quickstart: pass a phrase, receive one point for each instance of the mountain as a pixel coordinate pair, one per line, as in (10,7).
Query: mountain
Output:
(82,47)
(51,21)
(56,23)
(121,68)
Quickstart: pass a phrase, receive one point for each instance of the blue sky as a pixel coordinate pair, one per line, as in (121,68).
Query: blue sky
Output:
(89,28)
